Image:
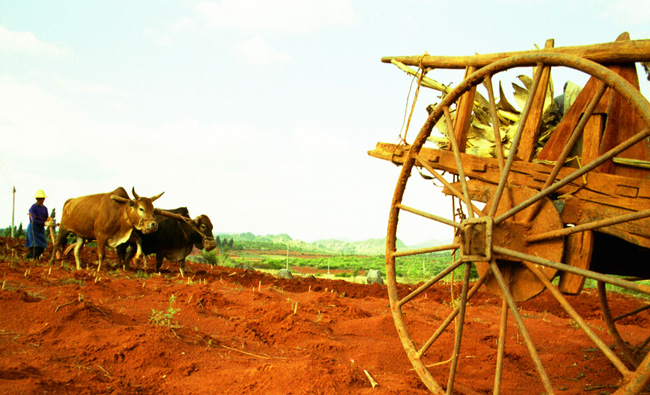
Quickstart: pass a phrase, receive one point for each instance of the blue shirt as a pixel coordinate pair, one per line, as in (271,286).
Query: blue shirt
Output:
(38,214)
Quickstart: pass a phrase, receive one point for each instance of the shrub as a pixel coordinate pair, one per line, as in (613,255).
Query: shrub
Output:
(165,318)
(210,257)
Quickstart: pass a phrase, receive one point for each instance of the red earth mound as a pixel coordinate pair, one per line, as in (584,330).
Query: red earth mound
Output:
(221,330)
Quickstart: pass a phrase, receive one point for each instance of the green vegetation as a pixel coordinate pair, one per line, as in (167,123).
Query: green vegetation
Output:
(249,241)
(18,231)
(165,318)
(340,258)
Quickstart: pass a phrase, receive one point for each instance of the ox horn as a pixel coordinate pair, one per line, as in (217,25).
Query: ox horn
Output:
(120,199)
(153,198)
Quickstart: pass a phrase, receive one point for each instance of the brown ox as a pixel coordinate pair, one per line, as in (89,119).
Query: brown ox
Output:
(108,218)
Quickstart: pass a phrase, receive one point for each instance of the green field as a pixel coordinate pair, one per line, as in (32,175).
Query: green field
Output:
(323,264)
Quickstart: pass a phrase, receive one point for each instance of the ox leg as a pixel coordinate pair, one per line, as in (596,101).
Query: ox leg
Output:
(77,250)
(120,250)
(101,253)
(159,259)
(181,264)
(128,254)
(137,259)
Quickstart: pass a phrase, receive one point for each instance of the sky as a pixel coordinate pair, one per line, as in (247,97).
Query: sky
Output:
(257,113)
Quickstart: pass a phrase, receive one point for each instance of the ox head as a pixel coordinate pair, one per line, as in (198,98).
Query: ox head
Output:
(204,225)
(140,211)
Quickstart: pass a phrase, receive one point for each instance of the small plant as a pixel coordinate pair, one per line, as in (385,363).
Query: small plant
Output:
(210,257)
(165,318)
(142,274)
(69,280)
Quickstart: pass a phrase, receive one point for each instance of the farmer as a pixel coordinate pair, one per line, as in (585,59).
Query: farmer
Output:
(38,218)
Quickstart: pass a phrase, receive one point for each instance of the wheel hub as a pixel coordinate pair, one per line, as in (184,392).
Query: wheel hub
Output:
(479,235)
(476,239)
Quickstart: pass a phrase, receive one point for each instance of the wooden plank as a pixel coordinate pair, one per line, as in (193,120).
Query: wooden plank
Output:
(622,123)
(464,114)
(531,128)
(578,211)
(612,52)
(598,189)
(578,251)
(591,138)
(564,129)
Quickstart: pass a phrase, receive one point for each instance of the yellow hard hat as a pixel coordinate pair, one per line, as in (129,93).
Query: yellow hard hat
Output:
(40,194)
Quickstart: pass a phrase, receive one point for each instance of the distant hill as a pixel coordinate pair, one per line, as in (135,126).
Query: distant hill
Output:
(329,246)
(431,242)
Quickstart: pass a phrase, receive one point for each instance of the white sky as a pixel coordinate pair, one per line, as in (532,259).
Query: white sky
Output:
(257,113)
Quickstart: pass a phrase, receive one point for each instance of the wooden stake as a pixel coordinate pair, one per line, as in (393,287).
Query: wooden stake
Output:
(372,381)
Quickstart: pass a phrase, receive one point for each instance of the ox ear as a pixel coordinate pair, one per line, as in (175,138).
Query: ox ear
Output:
(120,199)
(153,198)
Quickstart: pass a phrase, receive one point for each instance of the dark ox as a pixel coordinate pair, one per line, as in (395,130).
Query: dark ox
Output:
(109,218)
(177,235)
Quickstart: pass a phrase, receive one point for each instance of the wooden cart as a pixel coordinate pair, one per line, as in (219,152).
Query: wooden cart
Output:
(575,208)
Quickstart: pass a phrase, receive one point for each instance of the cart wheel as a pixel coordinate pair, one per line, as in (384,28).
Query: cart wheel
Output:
(511,241)
(634,352)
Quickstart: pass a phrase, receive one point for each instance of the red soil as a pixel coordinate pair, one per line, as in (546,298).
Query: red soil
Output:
(240,332)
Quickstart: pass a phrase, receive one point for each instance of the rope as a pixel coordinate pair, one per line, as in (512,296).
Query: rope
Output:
(421,73)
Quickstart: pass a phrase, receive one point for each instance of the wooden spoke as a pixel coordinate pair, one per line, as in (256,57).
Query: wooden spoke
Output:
(503,326)
(515,143)
(450,317)
(588,226)
(444,182)
(462,305)
(579,320)
(575,270)
(429,215)
(420,251)
(459,163)
(522,328)
(429,283)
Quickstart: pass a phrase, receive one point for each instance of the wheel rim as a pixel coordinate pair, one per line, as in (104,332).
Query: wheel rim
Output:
(490,266)
(634,352)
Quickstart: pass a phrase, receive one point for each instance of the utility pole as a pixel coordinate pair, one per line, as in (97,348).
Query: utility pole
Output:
(13,210)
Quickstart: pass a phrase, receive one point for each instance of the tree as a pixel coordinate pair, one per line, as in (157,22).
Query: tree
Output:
(218,241)
(20,232)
